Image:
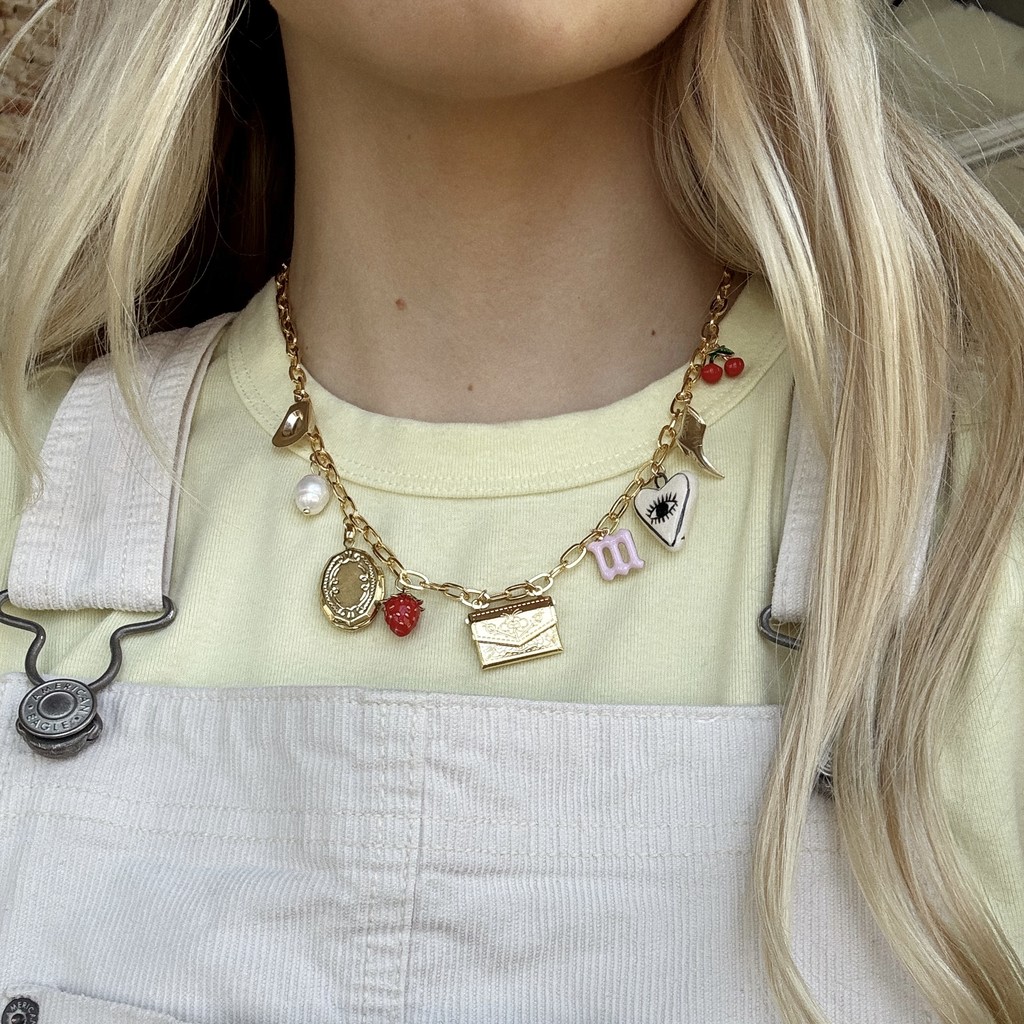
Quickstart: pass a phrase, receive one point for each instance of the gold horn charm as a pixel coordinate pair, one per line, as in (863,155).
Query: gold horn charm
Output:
(297,423)
(691,440)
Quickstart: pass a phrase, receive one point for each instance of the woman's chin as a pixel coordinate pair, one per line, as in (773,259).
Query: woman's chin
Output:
(485,49)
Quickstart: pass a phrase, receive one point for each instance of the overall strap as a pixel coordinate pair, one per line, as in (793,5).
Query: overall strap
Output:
(806,482)
(101,532)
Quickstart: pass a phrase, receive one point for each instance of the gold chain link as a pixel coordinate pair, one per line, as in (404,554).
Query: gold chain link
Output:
(408,579)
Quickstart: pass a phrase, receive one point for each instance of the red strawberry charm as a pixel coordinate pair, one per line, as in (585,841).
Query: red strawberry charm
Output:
(402,612)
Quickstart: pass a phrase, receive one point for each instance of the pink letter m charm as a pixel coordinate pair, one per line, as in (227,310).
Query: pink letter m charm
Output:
(608,553)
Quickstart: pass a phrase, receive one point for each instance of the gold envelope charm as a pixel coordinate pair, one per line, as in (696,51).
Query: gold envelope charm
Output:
(519,631)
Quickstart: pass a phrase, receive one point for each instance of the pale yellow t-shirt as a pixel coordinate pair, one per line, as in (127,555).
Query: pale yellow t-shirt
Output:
(487,505)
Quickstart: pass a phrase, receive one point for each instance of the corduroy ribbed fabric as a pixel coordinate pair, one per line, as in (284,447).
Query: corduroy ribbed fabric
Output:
(272,855)
(100,533)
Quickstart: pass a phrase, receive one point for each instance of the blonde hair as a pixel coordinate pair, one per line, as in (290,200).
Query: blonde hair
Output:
(780,144)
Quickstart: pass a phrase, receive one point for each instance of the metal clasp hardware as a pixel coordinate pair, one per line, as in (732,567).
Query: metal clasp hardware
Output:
(766,629)
(58,717)
(20,1010)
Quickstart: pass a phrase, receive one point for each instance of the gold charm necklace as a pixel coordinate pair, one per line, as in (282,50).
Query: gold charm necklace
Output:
(523,626)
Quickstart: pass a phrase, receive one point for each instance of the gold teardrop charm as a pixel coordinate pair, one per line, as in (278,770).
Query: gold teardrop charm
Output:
(691,440)
(297,423)
(351,589)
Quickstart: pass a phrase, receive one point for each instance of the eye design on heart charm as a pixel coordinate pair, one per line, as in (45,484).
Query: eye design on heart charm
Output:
(661,509)
(666,509)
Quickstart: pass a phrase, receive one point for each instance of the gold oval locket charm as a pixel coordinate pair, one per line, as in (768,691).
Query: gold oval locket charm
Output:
(351,589)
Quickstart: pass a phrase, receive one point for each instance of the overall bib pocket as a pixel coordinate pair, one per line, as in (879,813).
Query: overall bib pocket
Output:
(261,855)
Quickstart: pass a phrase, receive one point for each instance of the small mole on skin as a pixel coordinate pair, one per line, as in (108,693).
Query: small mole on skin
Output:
(653,333)
(470,388)
(400,303)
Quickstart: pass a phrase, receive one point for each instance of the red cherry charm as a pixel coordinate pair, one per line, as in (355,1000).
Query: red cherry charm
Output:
(402,612)
(711,373)
(733,366)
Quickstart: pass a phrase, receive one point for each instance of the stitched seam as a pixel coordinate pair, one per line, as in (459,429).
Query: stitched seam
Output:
(353,812)
(390,817)
(514,853)
(659,711)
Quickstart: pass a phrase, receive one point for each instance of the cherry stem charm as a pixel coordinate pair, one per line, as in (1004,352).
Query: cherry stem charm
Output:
(711,372)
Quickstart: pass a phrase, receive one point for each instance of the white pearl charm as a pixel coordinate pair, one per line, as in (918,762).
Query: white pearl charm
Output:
(312,493)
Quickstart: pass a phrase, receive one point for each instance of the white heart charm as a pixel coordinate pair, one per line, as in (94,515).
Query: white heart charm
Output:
(666,510)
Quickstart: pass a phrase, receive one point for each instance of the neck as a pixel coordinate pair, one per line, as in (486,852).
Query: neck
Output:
(484,260)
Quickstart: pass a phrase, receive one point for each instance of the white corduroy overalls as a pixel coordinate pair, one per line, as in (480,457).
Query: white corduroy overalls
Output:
(346,855)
